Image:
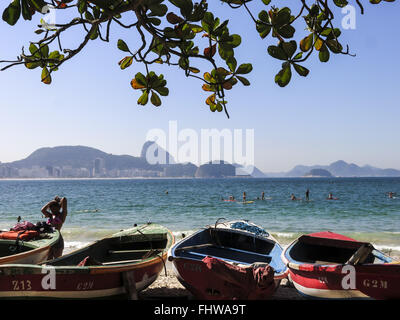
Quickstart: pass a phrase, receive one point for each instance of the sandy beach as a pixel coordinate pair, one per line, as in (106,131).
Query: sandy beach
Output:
(167,287)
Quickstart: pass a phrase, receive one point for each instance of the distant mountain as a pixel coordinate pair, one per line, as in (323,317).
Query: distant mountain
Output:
(318,173)
(216,170)
(153,150)
(343,169)
(251,171)
(80,157)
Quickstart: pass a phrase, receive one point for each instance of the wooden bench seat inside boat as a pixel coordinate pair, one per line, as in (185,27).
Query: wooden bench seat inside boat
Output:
(115,250)
(225,253)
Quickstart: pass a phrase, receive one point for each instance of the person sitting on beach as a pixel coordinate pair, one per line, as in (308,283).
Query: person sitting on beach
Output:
(56,218)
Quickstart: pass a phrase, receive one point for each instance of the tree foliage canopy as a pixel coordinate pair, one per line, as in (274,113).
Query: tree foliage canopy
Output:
(171,32)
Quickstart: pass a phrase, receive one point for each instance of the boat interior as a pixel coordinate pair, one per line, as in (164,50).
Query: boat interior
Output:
(11,247)
(116,250)
(331,251)
(228,245)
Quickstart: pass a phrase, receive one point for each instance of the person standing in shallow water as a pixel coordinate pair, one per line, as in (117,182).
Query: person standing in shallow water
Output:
(56,218)
(307,195)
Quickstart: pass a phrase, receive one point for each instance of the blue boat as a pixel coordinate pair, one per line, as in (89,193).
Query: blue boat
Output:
(229,260)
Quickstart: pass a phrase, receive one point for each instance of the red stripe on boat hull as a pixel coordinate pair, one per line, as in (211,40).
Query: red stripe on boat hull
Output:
(204,284)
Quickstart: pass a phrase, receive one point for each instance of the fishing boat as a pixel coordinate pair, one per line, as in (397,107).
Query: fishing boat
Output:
(117,266)
(229,260)
(327,265)
(26,246)
(385,282)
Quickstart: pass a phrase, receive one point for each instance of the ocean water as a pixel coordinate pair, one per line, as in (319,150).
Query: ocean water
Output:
(97,208)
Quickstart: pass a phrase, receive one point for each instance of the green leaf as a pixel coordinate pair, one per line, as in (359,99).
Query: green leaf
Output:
(155,99)
(26,12)
(243,80)
(32,65)
(298,56)
(264,16)
(34,50)
(141,79)
(334,46)
(283,77)
(231,63)
(244,68)
(341,3)
(82,6)
(38,4)
(289,47)
(164,91)
(94,33)
(46,77)
(144,98)
(185,6)
(12,13)
(287,31)
(302,71)
(122,46)
(158,10)
(263,29)
(44,51)
(283,17)
(126,62)
(306,43)
(324,54)
(277,53)
(54,55)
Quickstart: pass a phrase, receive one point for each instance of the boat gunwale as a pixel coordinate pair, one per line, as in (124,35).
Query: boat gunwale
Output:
(277,275)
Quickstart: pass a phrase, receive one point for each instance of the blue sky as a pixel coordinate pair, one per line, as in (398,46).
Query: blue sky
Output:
(345,109)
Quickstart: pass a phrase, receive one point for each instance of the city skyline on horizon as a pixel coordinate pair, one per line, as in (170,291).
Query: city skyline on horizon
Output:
(138,154)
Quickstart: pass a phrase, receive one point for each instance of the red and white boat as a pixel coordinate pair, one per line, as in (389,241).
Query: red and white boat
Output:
(327,265)
(120,265)
(229,260)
